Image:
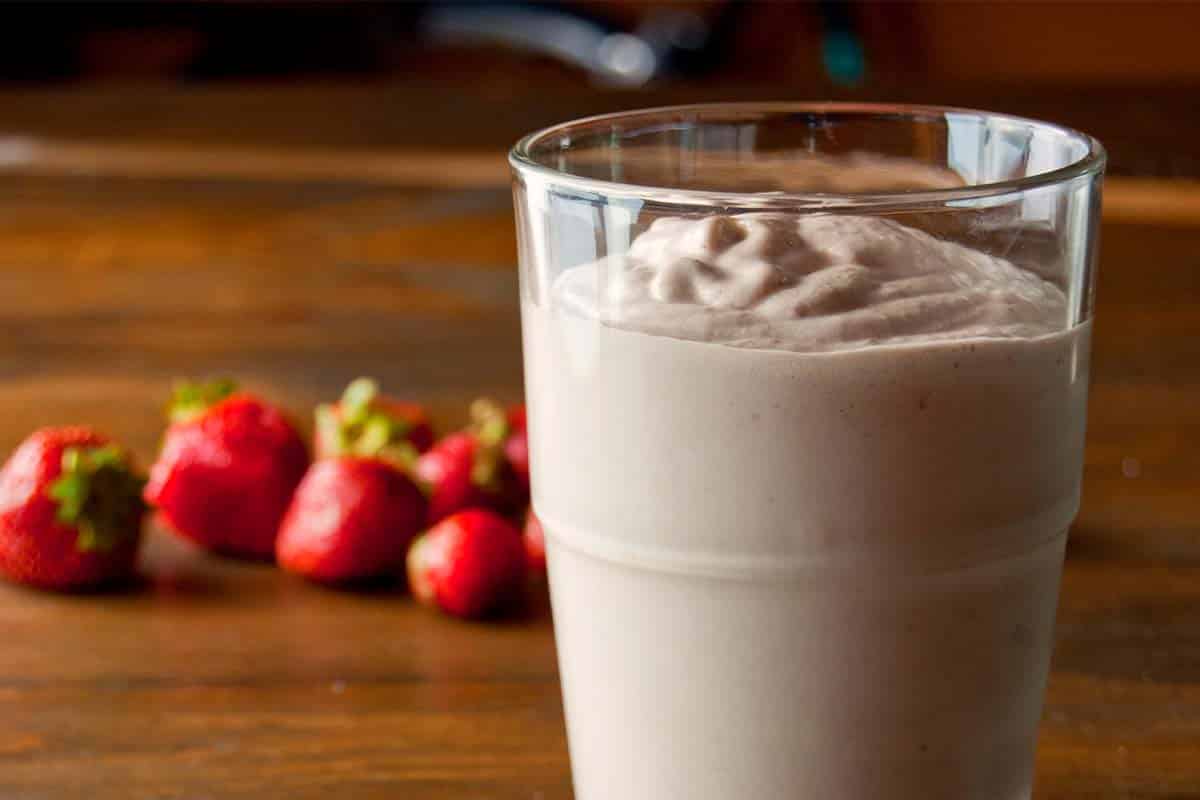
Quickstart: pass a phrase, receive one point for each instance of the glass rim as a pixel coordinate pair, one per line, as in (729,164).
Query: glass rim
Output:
(523,162)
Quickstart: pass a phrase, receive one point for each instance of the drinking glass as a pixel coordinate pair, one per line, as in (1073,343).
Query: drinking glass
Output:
(819,567)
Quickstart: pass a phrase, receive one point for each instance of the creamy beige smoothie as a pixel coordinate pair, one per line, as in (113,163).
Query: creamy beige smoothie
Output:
(805,482)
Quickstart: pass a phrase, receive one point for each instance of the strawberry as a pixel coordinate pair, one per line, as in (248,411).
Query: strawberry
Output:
(227,469)
(364,420)
(468,565)
(516,446)
(70,511)
(535,543)
(351,518)
(468,469)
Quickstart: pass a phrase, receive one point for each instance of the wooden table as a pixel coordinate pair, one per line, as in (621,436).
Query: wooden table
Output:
(216,679)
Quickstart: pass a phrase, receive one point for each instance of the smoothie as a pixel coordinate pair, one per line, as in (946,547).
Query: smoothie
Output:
(805,482)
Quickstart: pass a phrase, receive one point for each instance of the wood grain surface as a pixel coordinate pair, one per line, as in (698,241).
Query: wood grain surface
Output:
(215,679)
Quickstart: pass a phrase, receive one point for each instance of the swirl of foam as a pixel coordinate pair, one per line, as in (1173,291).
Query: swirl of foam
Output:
(809,283)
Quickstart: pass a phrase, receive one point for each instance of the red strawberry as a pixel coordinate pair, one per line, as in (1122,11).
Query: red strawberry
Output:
(351,518)
(468,469)
(364,420)
(228,466)
(468,565)
(516,446)
(70,511)
(535,543)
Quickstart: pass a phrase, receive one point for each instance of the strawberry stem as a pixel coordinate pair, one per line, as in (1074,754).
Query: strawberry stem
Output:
(356,427)
(190,399)
(490,426)
(489,422)
(99,495)
(357,399)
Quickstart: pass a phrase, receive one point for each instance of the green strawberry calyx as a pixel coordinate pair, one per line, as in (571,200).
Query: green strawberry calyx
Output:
(99,495)
(356,427)
(190,399)
(489,425)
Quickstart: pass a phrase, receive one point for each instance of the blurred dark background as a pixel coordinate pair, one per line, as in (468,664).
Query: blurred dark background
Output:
(481,73)
(789,44)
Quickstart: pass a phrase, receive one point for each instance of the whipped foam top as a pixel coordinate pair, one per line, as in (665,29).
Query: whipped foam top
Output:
(809,283)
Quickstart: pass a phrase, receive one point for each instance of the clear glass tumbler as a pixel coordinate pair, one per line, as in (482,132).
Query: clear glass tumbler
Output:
(807,389)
